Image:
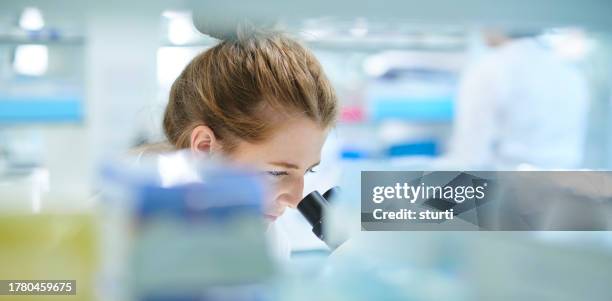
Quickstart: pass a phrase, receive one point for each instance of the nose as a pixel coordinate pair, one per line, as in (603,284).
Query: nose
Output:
(291,195)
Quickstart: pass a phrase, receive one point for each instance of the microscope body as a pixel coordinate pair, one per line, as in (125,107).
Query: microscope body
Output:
(313,208)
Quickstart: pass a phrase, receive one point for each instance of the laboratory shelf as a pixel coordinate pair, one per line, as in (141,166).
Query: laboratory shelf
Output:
(42,39)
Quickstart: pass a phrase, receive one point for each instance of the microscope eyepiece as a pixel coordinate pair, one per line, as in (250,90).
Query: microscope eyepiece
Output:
(312,207)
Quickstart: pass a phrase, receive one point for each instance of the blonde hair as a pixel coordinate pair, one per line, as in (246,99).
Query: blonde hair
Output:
(242,87)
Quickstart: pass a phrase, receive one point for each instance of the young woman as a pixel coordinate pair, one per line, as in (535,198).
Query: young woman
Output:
(258,99)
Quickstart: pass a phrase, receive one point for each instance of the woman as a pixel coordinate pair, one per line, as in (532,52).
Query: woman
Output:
(258,99)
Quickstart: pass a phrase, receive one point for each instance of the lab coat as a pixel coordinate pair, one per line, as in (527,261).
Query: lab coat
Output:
(520,105)
(278,243)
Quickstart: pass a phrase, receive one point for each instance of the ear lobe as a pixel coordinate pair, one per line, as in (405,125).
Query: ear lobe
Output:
(202,140)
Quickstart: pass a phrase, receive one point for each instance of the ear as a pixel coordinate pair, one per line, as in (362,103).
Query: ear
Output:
(202,140)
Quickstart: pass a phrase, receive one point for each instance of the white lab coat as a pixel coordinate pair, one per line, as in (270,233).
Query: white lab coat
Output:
(278,243)
(520,105)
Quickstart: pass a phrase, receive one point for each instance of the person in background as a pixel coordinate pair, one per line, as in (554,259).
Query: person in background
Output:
(519,104)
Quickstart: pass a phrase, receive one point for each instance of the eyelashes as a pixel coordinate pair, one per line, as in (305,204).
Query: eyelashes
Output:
(276,173)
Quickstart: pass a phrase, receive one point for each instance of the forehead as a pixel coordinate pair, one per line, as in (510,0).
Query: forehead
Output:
(297,140)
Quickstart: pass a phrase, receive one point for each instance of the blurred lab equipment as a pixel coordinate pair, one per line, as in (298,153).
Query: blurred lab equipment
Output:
(45,235)
(520,104)
(186,230)
(313,208)
(43,74)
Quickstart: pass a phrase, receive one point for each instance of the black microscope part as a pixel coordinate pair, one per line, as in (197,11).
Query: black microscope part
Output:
(331,194)
(312,208)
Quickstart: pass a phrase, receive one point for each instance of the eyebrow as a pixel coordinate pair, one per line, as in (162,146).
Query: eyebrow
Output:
(291,165)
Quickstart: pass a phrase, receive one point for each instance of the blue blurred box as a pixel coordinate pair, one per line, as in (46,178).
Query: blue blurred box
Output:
(33,109)
(439,109)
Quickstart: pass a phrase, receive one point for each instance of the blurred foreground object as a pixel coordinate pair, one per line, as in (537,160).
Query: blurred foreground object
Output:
(547,13)
(179,230)
(43,238)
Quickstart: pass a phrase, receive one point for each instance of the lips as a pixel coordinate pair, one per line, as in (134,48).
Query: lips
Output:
(270,217)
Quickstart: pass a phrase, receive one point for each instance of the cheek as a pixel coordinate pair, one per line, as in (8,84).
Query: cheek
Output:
(273,202)
(277,188)
(283,192)
(273,190)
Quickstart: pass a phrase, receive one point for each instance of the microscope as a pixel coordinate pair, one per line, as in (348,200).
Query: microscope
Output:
(313,208)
